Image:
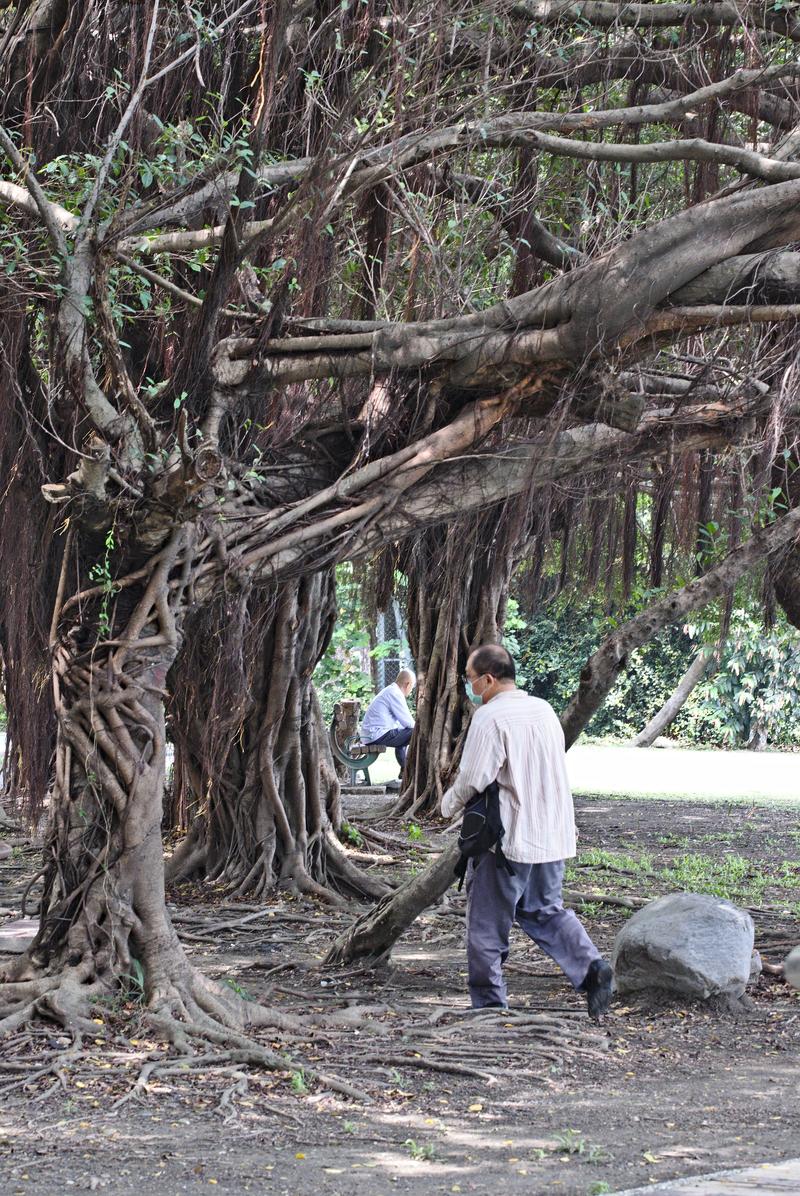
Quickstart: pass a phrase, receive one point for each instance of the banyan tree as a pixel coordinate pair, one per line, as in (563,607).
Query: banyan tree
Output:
(264,309)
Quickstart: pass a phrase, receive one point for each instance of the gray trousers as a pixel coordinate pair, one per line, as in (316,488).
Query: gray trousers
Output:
(532,898)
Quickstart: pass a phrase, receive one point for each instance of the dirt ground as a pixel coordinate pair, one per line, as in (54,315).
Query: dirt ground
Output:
(533,1100)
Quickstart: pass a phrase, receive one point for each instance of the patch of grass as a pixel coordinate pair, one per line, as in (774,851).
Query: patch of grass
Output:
(599,1188)
(415,832)
(299,1084)
(592,909)
(351,834)
(420,1150)
(788,876)
(573,1142)
(617,861)
(688,841)
(729,875)
(238,988)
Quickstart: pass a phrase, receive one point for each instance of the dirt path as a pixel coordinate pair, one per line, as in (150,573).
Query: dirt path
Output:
(557,1104)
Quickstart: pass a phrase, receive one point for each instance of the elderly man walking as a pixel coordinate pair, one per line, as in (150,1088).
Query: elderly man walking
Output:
(388,720)
(517,740)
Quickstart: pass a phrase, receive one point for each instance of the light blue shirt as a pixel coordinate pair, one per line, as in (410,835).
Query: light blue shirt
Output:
(387,712)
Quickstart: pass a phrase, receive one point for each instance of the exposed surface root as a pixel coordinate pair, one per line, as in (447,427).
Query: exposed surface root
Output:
(192,1013)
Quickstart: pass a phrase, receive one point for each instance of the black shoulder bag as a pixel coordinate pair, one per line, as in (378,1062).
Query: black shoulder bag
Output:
(481,830)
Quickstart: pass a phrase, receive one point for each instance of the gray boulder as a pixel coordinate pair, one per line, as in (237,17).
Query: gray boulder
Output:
(791,967)
(686,943)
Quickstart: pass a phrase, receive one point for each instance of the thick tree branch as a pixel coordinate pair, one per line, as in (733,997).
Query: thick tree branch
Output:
(377,508)
(45,208)
(21,197)
(685,320)
(690,149)
(772,277)
(658,16)
(351,173)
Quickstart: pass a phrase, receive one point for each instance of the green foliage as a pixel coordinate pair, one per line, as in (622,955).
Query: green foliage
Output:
(239,989)
(755,695)
(134,983)
(340,673)
(420,1150)
(571,1141)
(351,835)
(515,631)
(100,573)
(551,652)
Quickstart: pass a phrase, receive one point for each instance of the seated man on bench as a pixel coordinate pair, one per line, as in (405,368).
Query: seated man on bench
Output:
(388,721)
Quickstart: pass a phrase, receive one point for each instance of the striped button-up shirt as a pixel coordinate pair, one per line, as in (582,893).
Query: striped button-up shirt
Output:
(517,740)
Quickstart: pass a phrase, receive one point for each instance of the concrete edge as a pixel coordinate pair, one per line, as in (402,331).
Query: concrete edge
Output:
(668,1185)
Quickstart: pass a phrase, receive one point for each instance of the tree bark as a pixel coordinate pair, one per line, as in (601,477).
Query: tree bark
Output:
(663,717)
(103,909)
(373,934)
(103,916)
(254,774)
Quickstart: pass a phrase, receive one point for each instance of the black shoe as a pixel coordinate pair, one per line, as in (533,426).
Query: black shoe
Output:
(597,987)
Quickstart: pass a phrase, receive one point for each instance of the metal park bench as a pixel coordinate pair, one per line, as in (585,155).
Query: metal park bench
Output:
(346,743)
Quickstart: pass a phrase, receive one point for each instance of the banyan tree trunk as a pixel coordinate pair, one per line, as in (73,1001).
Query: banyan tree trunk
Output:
(104,924)
(254,774)
(103,915)
(458,580)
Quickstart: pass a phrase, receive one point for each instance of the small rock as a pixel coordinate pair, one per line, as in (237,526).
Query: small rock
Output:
(5,850)
(16,937)
(791,968)
(662,742)
(686,943)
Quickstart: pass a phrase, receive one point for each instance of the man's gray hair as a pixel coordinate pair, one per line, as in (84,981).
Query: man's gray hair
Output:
(404,676)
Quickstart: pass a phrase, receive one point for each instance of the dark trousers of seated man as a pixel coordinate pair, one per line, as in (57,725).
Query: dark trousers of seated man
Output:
(531,897)
(398,739)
